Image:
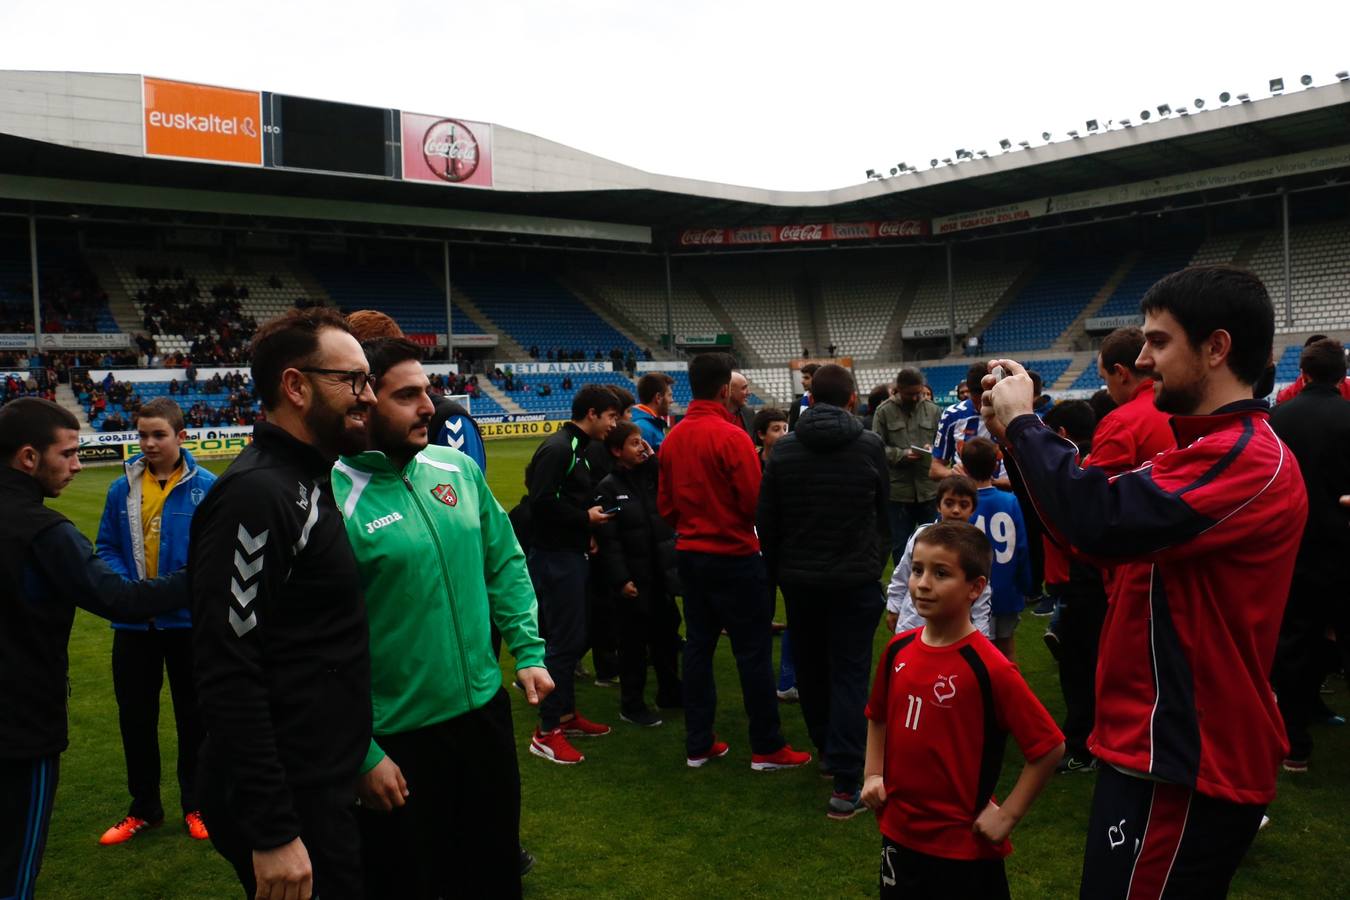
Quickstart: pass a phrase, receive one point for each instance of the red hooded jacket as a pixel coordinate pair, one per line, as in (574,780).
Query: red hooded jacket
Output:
(1131,434)
(709,487)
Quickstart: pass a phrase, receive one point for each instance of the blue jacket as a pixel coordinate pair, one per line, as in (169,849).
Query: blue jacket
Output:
(999,516)
(452,426)
(119,533)
(652,427)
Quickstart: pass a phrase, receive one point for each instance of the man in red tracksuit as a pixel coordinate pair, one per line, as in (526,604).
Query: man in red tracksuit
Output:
(709,493)
(1203,540)
(1136,430)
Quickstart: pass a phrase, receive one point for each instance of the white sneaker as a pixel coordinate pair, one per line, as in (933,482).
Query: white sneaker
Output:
(789,696)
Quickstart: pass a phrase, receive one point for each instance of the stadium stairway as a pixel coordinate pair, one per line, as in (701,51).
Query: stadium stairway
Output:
(1075,336)
(587,294)
(811,324)
(1007,297)
(507,346)
(500,397)
(745,353)
(891,338)
(66,397)
(119,301)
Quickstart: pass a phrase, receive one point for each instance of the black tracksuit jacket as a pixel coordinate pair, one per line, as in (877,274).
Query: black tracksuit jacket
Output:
(1316,427)
(279,635)
(560,487)
(636,545)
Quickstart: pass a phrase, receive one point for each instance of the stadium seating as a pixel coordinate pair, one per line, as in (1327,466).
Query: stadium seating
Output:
(641,295)
(1320,276)
(762,305)
(859,303)
(977,286)
(186,397)
(1287,367)
(538,312)
(1148,268)
(1048,303)
(405,293)
(69,294)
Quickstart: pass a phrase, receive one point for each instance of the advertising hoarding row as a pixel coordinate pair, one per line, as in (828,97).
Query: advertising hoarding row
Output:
(802,234)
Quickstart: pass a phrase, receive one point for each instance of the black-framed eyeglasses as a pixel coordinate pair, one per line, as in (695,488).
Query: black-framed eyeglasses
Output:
(355,379)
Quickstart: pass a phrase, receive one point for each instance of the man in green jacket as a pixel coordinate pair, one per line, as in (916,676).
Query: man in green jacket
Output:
(440,565)
(907,424)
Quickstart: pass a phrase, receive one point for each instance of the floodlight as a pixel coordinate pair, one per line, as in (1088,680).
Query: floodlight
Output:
(894,170)
(1225,97)
(947,160)
(1092,125)
(871,173)
(1199,103)
(1025,145)
(984,154)
(1005,144)
(1126,123)
(1145,114)
(962,154)
(1343,76)
(1305,80)
(1244,98)
(1074,135)
(1045,136)
(1164,110)
(904,167)
(1276,85)
(933,163)
(1182,111)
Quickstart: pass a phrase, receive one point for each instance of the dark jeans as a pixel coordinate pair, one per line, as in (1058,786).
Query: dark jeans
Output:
(27,788)
(728,592)
(1300,662)
(832,645)
(1080,629)
(560,578)
(645,633)
(139,660)
(462,814)
(904,518)
(327,829)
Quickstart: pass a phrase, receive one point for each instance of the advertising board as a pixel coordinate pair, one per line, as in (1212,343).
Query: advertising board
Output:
(198,121)
(449,151)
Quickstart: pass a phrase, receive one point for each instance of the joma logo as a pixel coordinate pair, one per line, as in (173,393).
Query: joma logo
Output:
(372,527)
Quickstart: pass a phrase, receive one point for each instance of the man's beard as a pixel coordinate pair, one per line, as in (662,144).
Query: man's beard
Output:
(1179,399)
(333,433)
(394,441)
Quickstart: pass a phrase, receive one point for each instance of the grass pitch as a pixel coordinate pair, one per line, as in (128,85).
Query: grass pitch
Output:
(633,820)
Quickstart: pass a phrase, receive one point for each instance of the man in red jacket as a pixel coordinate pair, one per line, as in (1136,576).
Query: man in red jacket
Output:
(709,493)
(1204,540)
(1136,430)
(1295,387)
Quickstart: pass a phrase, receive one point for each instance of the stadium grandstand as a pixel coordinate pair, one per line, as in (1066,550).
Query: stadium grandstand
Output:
(131,252)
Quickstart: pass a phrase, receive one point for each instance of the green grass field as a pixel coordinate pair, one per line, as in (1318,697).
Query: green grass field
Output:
(633,820)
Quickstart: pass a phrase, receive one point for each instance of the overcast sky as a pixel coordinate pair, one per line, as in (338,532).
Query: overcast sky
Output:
(770,94)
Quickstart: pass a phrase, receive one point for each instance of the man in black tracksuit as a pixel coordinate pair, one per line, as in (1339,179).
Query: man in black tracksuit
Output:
(280,639)
(47,568)
(562,515)
(637,568)
(1316,426)
(825,488)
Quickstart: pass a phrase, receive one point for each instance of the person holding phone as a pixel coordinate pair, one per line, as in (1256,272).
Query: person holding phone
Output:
(907,425)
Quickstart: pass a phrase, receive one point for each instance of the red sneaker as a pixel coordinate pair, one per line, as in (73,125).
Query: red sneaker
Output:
(580,726)
(125,830)
(784,758)
(552,746)
(195,826)
(718,750)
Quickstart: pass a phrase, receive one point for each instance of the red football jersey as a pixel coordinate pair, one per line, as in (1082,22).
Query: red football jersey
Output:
(948,712)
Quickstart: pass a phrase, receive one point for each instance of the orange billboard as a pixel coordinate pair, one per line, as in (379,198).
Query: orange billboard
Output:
(197,121)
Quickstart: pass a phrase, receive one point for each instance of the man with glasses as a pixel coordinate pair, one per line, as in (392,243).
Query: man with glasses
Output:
(282,658)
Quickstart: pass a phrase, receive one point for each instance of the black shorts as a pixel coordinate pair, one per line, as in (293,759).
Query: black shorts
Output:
(912,875)
(1149,840)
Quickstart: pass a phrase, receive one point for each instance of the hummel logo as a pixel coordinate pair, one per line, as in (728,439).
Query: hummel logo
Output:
(454,425)
(248,569)
(303,502)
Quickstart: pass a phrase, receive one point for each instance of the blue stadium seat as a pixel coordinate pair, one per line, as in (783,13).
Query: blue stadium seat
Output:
(414,301)
(538,312)
(1152,265)
(1048,303)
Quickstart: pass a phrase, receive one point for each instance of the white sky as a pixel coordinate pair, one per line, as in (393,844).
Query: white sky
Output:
(770,94)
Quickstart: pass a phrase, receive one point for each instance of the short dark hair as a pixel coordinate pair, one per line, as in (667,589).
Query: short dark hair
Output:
(32,422)
(764,418)
(909,377)
(972,549)
(1206,299)
(1122,348)
(975,378)
(1314,338)
(1101,404)
(880,394)
(810,369)
(961,486)
(291,339)
(619,434)
(979,457)
(383,353)
(708,374)
(1037,383)
(623,395)
(653,385)
(1323,362)
(163,408)
(832,384)
(592,397)
(1076,418)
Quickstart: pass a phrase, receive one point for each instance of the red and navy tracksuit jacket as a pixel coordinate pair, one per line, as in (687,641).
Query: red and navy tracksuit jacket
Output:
(1204,540)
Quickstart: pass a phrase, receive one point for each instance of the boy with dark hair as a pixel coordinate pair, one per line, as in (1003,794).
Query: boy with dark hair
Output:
(957,498)
(770,424)
(959,423)
(655,395)
(636,565)
(999,516)
(563,514)
(943,704)
(143,532)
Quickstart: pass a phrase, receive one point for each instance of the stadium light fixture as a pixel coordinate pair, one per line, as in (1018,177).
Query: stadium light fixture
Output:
(984,154)
(1164,110)
(1145,115)
(1199,103)
(1126,123)
(1005,144)
(1305,80)
(1045,136)
(933,163)
(1343,76)
(871,173)
(1225,97)
(1244,98)
(1074,135)
(1092,125)
(1276,85)
(963,154)
(1025,145)
(947,160)
(894,171)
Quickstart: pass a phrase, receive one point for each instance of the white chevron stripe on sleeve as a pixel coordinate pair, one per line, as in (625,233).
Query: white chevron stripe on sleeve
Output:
(242,626)
(250,543)
(247,569)
(245,597)
(454,425)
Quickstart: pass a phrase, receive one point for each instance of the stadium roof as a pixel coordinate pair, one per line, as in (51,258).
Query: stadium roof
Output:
(78,138)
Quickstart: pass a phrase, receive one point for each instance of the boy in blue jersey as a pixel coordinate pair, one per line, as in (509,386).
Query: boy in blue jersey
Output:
(999,516)
(960,423)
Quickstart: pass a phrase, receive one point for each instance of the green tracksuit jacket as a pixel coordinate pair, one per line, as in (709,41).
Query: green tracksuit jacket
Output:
(440,565)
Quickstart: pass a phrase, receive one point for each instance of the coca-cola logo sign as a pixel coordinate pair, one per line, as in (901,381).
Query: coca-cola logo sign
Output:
(450,150)
(802,233)
(907,228)
(697,237)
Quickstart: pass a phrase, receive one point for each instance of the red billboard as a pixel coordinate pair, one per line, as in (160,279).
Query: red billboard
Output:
(447,151)
(797,234)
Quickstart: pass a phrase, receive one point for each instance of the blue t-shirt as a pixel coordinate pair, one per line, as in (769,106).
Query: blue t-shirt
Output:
(999,516)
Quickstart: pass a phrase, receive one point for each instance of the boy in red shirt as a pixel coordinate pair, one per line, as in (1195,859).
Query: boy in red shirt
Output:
(943,704)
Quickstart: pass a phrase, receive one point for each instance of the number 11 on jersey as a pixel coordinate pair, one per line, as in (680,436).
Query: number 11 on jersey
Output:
(912,712)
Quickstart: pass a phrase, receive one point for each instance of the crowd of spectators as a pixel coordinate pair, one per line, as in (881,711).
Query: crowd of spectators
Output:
(173,303)
(222,399)
(451,384)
